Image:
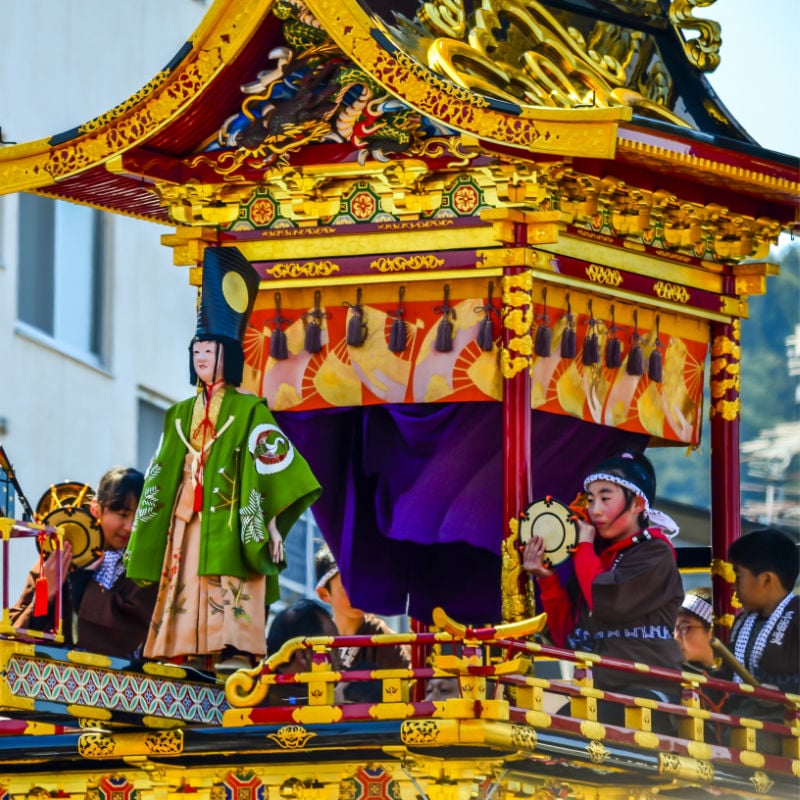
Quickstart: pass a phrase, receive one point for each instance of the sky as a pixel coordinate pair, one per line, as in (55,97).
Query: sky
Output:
(757,77)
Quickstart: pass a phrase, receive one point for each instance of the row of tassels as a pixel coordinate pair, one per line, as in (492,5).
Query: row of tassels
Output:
(443,343)
(398,333)
(590,355)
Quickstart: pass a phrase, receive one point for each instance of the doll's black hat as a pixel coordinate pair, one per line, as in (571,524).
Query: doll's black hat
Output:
(230,285)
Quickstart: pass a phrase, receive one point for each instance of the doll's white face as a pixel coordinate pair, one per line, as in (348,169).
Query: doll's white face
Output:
(204,356)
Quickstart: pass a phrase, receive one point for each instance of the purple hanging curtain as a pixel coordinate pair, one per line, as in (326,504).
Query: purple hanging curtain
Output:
(412,497)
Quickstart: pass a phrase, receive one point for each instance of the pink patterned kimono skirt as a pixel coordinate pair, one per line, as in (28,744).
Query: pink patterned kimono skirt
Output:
(199,614)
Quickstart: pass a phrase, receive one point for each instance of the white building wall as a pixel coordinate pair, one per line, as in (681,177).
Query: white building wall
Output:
(62,418)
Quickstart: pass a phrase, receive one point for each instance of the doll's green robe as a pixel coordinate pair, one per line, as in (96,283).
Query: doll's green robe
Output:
(252,473)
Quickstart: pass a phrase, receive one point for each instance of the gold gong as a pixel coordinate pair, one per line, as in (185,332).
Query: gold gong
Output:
(65,506)
(555,523)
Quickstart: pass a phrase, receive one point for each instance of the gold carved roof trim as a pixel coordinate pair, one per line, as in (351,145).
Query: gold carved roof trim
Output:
(706,165)
(223,32)
(575,132)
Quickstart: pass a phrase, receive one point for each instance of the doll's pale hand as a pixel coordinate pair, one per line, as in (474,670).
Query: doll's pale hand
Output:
(586,532)
(275,542)
(534,559)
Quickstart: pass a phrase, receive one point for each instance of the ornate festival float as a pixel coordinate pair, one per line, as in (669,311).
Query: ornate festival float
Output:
(493,241)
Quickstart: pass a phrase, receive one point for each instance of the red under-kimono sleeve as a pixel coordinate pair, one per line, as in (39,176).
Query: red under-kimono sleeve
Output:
(558,606)
(587,567)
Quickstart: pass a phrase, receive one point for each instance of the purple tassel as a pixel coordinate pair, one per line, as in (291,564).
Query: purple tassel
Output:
(568,340)
(613,353)
(544,336)
(591,350)
(278,348)
(613,345)
(568,343)
(397,333)
(654,365)
(444,330)
(356,327)
(543,341)
(485,337)
(635,365)
(444,336)
(591,344)
(313,337)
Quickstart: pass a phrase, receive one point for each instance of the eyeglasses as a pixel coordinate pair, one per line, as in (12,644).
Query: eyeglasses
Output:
(684,628)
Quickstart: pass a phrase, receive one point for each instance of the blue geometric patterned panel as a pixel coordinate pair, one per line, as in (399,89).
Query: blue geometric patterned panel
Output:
(56,682)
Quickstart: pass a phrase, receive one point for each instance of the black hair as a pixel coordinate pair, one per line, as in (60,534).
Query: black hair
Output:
(117,487)
(232,364)
(303,618)
(767,550)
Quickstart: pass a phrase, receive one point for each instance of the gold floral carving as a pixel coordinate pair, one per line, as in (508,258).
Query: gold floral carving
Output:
(761,782)
(205,204)
(96,745)
(419,731)
(517,310)
(513,603)
(164,742)
(603,275)
(597,752)
(702,51)
(523,738)
(291,737)
(402,264)
(685,768)
(725,374)
(671,291)
(307,269)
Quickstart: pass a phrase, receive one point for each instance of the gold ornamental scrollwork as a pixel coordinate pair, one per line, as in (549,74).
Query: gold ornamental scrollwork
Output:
(761,782)
(540,61)
(419,731)
(306,269)
(516,355)
(671,291)
(604,275)
(164,742)
(597,751)
(96,745)
(725,375)
(291,737)
(523,738)
(403,264)
(513,602)
(702,51)
(685,768)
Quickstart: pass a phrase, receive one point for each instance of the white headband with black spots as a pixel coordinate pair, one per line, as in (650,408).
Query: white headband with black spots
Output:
(699,607)
(323,581)
(658,518)
(626,484)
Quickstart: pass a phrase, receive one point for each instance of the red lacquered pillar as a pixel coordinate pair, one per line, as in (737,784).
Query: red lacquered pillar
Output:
(517,230)
(725,415)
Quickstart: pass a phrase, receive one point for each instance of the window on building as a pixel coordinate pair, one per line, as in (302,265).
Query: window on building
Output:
(149,424)
(298,579)
(61,272)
